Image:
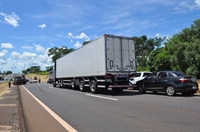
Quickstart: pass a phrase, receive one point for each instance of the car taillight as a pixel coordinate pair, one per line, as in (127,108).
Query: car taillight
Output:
(183,80)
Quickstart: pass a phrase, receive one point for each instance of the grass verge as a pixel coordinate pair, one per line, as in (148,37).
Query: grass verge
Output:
(3,88)
(199,86)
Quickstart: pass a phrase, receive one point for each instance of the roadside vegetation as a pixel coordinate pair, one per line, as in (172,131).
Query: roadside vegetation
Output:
(42,77)
(3,88)
(199,86)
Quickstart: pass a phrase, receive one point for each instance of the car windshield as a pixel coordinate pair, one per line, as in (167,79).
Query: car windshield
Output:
(18,77)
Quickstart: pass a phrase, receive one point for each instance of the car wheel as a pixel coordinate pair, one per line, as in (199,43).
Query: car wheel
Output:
(141,89)
(170,91)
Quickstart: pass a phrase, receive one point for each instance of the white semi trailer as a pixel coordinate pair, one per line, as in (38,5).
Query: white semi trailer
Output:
(107,62)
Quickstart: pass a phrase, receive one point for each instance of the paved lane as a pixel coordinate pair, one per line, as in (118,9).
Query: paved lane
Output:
(127,111)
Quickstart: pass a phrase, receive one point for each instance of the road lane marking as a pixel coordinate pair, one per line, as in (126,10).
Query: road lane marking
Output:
(59,119)
(8,105)
(5,128)
(102,97)
(7,97)
(52,88)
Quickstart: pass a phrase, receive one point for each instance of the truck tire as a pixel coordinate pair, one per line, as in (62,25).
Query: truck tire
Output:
(73,86)
(81,86)
(54,84)
(93,87)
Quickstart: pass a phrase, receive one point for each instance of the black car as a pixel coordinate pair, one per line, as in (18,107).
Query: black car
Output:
(19,80)
(170,82)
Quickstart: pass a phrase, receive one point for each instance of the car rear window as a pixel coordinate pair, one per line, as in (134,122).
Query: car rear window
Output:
(179,74)
(146,74)
(137,74)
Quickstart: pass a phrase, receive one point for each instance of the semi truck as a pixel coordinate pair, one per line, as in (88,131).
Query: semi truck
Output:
(106,62)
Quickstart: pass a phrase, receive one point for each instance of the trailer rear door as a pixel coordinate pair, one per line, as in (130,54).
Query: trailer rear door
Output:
(120,54)
(128,55)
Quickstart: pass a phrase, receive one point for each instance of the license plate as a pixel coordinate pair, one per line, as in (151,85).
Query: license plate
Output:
(194,87)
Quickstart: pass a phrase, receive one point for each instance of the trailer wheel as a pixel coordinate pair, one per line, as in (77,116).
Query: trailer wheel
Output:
(73,86)
(60,84)
(81,86)
(93,87)
(54,84)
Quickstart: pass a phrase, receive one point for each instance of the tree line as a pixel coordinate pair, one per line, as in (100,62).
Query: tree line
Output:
(181,52)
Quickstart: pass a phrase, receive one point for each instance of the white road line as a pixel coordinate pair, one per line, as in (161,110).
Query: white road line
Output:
(9,97)
(8,105)
(5,128)
(101,97)
(59,119)
(51,87)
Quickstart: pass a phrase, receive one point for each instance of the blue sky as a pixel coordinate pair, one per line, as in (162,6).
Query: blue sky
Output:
(28,28)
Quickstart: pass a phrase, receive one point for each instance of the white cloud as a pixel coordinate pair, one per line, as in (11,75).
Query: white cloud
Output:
(6,45)
(81,36)
(2,61)
(42,26)
(3,53)
(28,55)
(39,48)
(158,35)
(197,2)
(77,45)
(27,47)
(183,4)
(43,58)
(15,55)
(11,19)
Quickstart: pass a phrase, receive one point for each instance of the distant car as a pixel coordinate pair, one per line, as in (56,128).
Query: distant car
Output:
(34,80)
(49,80)
(138,77)
(171,82)
(1,78)
(19,80)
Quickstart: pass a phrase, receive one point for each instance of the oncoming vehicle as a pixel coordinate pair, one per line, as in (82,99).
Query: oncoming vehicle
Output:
(50,78)
(1,77)
(19,80)
(34,80)
(171,82)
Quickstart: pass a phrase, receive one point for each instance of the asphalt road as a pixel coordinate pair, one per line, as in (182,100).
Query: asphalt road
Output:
(124,112)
